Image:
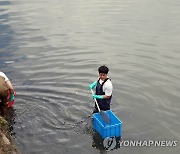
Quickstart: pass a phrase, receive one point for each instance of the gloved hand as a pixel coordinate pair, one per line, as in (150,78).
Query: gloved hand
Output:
(97,96)
(11,97)
(92,85)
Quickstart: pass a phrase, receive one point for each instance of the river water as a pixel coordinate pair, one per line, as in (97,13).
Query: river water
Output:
(50,50)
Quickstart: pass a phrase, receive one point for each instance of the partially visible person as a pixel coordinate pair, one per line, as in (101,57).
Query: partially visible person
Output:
(6,88)
(103,89)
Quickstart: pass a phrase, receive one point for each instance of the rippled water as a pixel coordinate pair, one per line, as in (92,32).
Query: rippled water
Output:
(51,51)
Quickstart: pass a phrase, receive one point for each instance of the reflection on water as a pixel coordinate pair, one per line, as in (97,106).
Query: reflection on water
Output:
(102,145)
(51,50)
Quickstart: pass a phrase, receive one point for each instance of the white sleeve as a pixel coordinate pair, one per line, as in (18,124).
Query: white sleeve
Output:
(108,88)
(4,75)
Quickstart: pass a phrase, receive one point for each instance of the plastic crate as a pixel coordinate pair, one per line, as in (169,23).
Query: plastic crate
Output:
(114,128)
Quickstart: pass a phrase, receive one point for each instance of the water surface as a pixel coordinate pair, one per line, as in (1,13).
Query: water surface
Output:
(51,51)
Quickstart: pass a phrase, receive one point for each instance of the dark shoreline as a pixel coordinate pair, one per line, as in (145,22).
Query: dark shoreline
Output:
(7,145)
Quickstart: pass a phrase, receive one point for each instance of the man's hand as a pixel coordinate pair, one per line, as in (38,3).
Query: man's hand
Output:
(92,85)
(97,96)
(11,97)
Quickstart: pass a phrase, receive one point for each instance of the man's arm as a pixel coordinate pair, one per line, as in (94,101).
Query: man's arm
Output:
(10,86)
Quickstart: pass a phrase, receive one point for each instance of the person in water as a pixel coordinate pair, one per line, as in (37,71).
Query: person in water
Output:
(5,88)
(104,89)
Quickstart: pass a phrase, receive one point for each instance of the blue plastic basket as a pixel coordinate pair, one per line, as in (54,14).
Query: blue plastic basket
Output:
(114,128)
